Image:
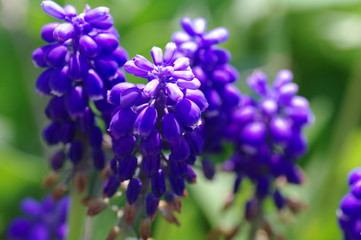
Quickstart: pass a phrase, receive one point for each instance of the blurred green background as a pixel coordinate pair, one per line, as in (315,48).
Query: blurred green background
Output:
(319,40)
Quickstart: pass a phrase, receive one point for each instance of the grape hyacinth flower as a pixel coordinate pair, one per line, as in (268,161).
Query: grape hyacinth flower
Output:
(44,220)
(267,132)
(349,212)
(82,61)
(211,66)
(155,131)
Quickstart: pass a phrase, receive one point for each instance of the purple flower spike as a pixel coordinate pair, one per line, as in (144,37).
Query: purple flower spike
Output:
(349,212)
(165,119)
(82,58)
(271,139)
(133,190)
(53,9)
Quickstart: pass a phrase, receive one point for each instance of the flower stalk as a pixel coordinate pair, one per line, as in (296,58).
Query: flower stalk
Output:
(77,215)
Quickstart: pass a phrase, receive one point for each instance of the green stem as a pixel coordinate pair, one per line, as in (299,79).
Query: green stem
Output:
(257,222)
(77,216)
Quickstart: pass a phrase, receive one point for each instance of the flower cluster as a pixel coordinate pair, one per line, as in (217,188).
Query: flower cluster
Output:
(349,213)
(211,66)
(45,220)
(82,62)
(155,128)
(267,134)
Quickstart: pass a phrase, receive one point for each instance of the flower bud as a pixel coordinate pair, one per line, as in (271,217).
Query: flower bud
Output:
(88,46)
(157,55)
(145,122)
(188,112)
(56,56)
(152,145)
(75,102)
(94,86)
(127,168)
(133,190)
(174,92)
(78,67)
(122,123)
(53,9)
(108,42)
(151,205)
(111,186)
(47,32)
(76,152)
(57,160)
(63,32)
(123,147)
(158,183)
(254,134)
(97,14)
(150,165)
(216,36)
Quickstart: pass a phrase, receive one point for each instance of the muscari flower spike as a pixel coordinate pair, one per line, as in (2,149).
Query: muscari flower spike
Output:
(349,212)
(155,129)
(82,61)
(267,132)
(211,66)
(42,220)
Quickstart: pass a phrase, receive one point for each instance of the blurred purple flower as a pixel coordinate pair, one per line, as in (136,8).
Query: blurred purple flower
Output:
(44,220)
